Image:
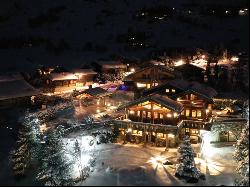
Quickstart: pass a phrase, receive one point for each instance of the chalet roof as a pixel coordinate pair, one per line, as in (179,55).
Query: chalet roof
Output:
(160,67)
(63,76)
(14,86)
(162,100)
(198,89)
(96,92)
(84,71)
(177,83)
(186,86)
(189,67)
(111,64)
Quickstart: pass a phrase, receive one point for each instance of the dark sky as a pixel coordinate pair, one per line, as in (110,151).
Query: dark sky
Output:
(75,32)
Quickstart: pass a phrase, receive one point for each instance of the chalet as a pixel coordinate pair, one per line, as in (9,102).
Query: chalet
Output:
(155,109)
(85,76)
(196,98)
(150,77)
(110,67)
(96,96)
(191,72)
(14,89)
(63,79)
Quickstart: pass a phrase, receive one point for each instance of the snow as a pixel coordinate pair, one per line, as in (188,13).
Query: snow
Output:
(132,165)
(63,76)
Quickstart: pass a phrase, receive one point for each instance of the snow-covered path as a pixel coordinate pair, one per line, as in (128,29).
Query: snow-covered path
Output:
(129,164)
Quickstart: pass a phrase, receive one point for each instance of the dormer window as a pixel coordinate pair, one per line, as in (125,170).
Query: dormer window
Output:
(167,90)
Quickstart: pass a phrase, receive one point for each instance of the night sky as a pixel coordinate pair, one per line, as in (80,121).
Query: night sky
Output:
(76,32)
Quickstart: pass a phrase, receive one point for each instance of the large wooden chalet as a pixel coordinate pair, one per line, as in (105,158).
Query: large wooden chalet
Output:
(150,77)
(196,98)
(179,103)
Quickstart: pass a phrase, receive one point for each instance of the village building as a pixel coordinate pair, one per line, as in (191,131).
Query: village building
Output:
(191,72)
(149,77)
(97,96)
(110,67)
(85,76)
(14,89)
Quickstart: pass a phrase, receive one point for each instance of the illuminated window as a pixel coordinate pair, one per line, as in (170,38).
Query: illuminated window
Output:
(187,112)
(139,85)
(143,114)
(169,115)
(149,114)
(132,112)
(187,129)
(173,90)
(138,113)
(161,116)
(198,113)
(167,90)
(193,113)
(148,86)
(155,115)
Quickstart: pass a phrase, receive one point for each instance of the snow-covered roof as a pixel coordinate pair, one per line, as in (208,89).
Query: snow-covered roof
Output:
(84,71)
(111,64)
(14,86)
(162,100)
(63,76)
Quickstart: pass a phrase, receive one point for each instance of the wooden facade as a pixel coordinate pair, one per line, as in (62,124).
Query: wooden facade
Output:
(149,77)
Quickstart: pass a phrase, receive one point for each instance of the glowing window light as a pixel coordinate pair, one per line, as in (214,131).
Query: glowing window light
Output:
(175,114)
(169,115)
(235,59)
(139,85)
(132,70)
(132,112)
(179,63)
(171,135)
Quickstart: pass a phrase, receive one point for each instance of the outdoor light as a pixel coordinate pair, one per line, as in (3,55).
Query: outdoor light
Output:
(207,111)
(132,112)
(203,56)
(132,70)
(98,111)
(175,114)
(129,130)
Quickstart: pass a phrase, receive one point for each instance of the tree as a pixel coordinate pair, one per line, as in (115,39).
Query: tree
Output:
(54,167)
(241,155)
(186,168)
(22,156)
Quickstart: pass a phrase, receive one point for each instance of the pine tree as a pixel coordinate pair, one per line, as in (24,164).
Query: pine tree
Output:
(186,168)
(54,167)
(241,155)
(21,157)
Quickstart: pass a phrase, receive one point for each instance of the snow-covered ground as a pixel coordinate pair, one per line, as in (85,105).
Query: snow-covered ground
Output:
(131,164)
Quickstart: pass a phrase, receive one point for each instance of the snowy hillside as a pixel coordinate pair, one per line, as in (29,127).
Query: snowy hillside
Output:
(74,32)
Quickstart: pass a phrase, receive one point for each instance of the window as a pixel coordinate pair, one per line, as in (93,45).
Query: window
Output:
(193,113)
(198,113)
(187,112)
(155,115)
(161,116)
(167,90)
(173,90)
(138,113)
(149,114)
(143,114)
(148,86)
(187,129)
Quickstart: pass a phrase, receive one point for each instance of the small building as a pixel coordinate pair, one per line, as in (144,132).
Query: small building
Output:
(85,76)
(150,77)
(63,79)
(191,72)
(96,96)
(14,89)
(110,67)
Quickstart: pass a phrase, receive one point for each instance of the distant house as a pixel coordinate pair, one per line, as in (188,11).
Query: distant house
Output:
(97,94)
(63,79)
(191,72)
(14,89)
(85,76)
(150,77)
(110,67)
